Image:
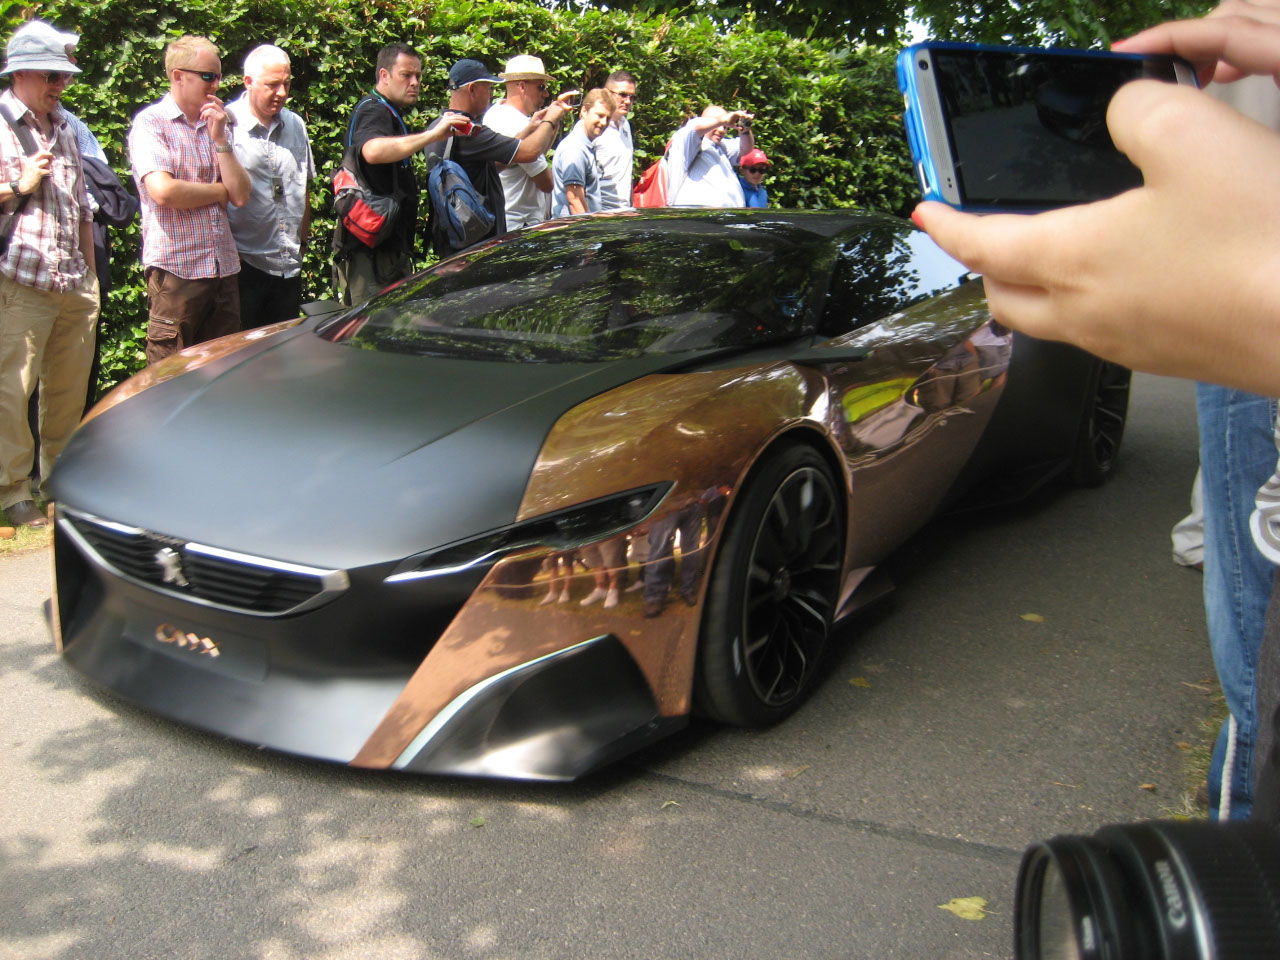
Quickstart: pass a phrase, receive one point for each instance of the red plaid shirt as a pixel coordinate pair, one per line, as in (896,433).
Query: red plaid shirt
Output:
(191,244)
(44,251)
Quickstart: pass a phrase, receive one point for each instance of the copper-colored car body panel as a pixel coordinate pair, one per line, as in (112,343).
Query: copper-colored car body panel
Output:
(703,432)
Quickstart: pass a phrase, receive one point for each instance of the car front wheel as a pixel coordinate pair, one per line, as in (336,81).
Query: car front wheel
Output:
(772,593)
(1102,424)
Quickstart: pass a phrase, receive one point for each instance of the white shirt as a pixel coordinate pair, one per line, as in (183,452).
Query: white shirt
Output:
(526,204)
(616,154)
(701,172)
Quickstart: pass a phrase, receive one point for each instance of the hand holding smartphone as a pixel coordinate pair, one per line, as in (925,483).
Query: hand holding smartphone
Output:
(1018,128)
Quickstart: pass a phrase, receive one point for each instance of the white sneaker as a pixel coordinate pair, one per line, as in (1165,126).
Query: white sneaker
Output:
(564,596)
(611,600)
(549,598)
(595,596)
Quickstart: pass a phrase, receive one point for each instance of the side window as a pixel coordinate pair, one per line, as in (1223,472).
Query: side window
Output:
(881,271)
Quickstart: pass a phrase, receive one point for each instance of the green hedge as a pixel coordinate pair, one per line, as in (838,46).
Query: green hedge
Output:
(828,117)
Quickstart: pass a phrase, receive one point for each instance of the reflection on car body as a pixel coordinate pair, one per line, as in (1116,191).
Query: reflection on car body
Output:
(709,425)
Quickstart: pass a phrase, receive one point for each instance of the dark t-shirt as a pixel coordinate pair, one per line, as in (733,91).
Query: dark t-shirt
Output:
(479,155)
(373,118)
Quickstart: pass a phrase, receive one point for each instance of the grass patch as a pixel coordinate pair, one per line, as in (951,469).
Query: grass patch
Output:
(1196,757)
(26,539)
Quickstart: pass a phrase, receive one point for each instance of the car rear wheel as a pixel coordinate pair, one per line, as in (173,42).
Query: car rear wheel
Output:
(772,593)
(1102,426)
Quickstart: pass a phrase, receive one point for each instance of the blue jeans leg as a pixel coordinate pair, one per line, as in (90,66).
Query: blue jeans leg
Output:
(1237,455)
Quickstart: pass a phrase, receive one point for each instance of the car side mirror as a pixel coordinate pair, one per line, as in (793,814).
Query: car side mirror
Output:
(322,308)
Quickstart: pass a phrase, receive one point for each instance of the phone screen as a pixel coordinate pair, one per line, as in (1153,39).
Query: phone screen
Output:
(1027,129)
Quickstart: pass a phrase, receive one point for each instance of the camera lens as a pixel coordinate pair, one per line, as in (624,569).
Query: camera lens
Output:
(1151,891)
(924,64)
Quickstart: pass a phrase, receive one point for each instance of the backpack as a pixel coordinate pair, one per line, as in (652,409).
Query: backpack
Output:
(651,191)
(460,209)
(369,217)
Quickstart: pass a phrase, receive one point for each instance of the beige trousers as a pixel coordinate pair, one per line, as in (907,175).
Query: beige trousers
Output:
(47,338)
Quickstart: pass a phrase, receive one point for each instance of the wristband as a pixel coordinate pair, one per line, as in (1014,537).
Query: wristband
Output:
(225,148)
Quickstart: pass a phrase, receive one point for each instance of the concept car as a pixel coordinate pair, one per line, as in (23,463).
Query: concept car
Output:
(530,509)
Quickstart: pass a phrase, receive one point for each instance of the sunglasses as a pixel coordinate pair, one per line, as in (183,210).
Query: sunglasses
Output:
(206,75)
(756,169)
(541,87)
(57,77)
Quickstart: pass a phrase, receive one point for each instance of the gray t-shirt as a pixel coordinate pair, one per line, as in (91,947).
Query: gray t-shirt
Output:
(575,162)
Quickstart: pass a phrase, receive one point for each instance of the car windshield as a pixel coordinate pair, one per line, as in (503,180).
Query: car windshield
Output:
(605,289)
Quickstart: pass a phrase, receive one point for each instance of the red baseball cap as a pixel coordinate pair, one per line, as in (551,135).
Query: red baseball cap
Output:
(753,158)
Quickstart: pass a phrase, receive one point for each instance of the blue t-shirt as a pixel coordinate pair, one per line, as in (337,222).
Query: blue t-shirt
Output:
(575,162)
(755,196)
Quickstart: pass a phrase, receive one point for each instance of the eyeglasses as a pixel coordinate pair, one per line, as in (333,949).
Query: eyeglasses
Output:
(57,77)
(541,88)
(756,169)
(207,76)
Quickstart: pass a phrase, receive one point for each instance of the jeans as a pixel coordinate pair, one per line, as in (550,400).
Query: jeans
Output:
(1237,456)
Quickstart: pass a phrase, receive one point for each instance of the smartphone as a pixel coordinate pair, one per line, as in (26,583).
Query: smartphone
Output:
(1019,128)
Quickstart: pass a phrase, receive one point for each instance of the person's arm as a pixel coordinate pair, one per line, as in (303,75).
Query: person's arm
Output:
(542,129)
(395,149)
(168,191)
(1178,276)
(576,197)
(746,139)
(304,230)
(233,176)
(545,181)
(34,169)
(86,246)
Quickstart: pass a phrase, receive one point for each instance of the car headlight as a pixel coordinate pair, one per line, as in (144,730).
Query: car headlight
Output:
(564,530)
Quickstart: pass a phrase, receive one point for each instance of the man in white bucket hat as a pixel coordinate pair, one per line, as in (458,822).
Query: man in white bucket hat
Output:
(47,278)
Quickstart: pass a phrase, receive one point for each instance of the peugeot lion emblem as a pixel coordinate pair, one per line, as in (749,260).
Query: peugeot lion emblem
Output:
(170,562)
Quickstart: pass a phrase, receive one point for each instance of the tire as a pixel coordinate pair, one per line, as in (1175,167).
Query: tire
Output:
(777,580)
(1102,425)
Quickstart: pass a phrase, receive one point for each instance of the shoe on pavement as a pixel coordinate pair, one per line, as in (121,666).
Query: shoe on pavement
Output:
(26,513)
(652,608)
(611,599)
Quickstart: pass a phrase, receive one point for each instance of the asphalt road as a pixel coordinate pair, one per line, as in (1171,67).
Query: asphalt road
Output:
(949,733)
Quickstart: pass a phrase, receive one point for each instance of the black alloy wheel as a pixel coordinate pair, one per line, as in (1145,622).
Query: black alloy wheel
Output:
(772,593)
(1102,425)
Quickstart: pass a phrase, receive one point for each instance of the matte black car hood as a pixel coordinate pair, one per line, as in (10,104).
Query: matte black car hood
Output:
(318,453)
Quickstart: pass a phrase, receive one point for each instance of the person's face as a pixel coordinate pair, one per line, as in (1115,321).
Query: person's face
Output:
(716,135)
(403,82)
(269,90)
(595,119)
(190,88)
(40,90)
(625,91)
(754,174)
(533,93)
(481,96)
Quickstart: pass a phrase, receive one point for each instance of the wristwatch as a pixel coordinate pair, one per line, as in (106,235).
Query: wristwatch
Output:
(224,148)
(14,186)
